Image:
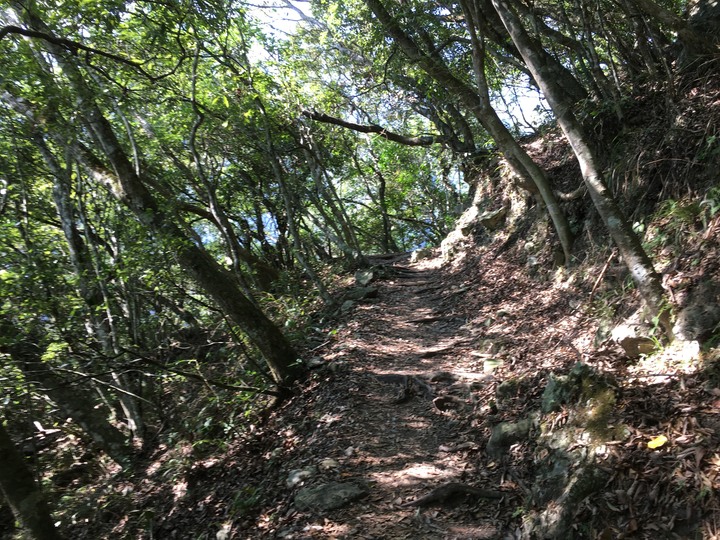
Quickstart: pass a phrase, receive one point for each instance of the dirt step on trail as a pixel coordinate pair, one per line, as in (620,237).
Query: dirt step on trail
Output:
(393,411)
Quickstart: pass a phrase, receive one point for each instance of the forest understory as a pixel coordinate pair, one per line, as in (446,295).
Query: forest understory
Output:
(406,391)
(411,386)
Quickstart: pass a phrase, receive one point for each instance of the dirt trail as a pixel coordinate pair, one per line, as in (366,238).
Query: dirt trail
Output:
(396,414)
(409,388)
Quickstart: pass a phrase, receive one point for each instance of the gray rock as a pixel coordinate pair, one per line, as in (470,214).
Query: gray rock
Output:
(556,521)
(508,433)
(346,306)
(507,389)
(635,338)
(422,254)
(329,496)
(298,476)
(492,220)
(701,316)
(362,293)
(364,277)
(562,388)
(315,362)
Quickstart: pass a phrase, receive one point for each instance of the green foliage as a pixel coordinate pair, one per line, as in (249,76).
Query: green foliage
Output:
(292,305)
(710,151)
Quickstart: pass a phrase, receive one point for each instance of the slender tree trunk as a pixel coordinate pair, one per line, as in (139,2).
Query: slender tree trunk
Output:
(641,268)
(22,493)
(479,104)
(332,200)
(387,242)
(91,290)
(290,208)
(127,187)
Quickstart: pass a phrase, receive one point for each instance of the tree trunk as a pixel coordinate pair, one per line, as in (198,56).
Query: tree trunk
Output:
(341,224)
(387,242)
(289,201)
(691,33)
(641,268)
(22,493)
(90,288)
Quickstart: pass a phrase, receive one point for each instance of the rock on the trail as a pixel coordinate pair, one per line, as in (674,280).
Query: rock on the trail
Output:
(448,403)
(298,476)
(492,219)
(364,277)
(362,293)
(634,338)
(506,434)
(346,306)
(315,362)
(701,316)
(422,254)
(556,520)
(578,383)
(329,496)
(328,464)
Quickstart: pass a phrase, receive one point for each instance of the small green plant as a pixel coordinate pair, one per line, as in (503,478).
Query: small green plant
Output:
(245,500)
(710,205)
(710,149)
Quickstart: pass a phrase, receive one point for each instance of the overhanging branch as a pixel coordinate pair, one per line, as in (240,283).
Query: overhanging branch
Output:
(425,140)
(74,47)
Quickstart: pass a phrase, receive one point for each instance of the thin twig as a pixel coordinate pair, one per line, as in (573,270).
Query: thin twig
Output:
(602,273)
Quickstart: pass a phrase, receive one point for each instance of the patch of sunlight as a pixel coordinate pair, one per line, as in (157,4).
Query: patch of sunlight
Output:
(418,423)
(424,471)
(680,357)
(330,419)
(563,278)
(179,490)
(415,474)
(336,528)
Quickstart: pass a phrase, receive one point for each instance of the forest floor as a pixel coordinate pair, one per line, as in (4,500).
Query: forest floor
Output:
(438,328)
(406,398)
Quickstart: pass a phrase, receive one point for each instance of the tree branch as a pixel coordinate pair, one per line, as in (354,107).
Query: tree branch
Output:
(74,47)
(425,140)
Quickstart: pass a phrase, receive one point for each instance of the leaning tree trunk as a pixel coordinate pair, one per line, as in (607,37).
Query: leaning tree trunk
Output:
(22,493)
(479,104)
(89,286)
(290,208)
(635,258)
(347,240)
